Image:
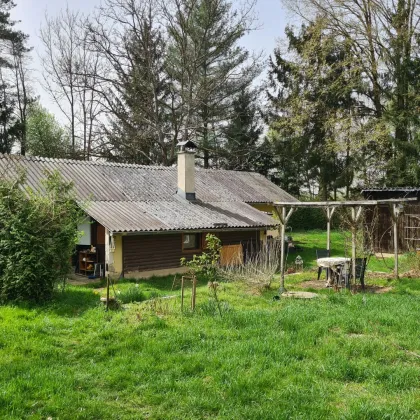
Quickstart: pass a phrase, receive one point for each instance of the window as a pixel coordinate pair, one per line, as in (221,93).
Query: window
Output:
(191,241)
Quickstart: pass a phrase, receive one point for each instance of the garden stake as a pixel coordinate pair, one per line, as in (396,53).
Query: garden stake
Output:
(182,293)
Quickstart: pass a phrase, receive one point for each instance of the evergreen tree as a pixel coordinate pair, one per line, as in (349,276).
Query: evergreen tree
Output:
(241,150)
(310,117)
(208,66)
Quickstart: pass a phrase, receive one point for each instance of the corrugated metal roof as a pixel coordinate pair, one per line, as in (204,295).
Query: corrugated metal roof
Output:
(399,189)
(134,216)
(127,197)
(104,181)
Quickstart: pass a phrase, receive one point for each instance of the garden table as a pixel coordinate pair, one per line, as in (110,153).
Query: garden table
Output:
(333,264)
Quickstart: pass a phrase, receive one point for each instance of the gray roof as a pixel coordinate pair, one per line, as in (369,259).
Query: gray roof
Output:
(127,197)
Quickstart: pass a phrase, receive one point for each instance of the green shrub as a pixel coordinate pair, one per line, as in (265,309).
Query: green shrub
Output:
(38,233)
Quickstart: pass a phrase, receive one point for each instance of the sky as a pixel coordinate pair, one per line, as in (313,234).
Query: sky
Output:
(272,18)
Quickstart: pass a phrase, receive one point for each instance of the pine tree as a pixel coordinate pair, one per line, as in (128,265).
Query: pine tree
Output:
(241,150)
(208,66)
(311,110)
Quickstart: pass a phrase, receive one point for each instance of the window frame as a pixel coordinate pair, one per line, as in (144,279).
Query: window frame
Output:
(199,241)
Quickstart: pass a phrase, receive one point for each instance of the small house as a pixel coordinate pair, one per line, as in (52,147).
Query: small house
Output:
(140,220)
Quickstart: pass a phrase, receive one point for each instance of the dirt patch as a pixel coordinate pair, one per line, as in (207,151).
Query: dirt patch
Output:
(313,284)
(319,284)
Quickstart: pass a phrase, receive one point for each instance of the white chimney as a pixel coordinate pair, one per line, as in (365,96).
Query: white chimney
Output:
(186,170)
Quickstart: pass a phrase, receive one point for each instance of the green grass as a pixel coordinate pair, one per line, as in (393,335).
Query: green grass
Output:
(339,356)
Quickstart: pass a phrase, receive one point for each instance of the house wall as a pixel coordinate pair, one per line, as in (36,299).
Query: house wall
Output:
(159,254)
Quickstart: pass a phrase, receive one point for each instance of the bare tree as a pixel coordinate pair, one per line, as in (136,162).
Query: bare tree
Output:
(69,74)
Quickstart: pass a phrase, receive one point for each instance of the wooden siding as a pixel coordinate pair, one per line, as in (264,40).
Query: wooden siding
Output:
(383,234)
(154,252)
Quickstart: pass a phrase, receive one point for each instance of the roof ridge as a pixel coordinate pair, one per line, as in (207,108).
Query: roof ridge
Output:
(81,162)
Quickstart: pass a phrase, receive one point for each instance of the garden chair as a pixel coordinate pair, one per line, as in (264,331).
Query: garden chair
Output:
(360,272)
(322,253)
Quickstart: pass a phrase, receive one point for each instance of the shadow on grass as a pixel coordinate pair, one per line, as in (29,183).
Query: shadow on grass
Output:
(165,283)
(72,302)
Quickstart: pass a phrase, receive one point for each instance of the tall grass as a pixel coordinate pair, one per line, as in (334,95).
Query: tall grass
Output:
(259,267)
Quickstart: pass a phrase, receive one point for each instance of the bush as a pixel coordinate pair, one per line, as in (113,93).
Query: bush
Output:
(38,233)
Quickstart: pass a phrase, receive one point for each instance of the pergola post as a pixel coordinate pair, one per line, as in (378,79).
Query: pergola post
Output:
(355,215)
(395,215)
(283,218)
(330,213)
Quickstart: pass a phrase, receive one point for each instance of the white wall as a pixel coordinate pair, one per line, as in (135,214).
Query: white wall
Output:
(84,227)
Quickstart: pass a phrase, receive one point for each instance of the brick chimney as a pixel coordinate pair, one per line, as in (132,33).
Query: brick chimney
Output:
(186,169)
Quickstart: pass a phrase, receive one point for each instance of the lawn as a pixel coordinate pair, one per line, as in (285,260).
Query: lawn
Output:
(338,356)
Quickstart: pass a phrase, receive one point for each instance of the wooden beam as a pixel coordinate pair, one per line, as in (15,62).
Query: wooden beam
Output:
(395,214)
(330,212)
(364,203)
(353,243)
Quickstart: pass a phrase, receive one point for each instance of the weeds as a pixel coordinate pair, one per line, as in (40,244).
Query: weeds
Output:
(259,268)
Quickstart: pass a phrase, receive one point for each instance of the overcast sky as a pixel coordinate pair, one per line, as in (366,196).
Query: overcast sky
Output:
(272,21)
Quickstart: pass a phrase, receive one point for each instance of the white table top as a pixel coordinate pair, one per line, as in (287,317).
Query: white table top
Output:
(331,262)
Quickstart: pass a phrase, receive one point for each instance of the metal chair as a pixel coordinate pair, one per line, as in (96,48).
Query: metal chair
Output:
(322,253)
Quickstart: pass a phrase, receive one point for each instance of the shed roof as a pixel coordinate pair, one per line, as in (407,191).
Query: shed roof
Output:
(129,197)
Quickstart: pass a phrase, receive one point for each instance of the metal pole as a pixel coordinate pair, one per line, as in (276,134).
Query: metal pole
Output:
(395,221)
(283,235)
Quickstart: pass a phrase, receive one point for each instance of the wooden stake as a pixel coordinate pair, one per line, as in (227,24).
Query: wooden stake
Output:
(182,293)
(107,292)
(194,288)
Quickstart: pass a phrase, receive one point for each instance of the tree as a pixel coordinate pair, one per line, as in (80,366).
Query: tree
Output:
(383,37)
(69,74)
(12,49)
(242,150)
(311,114)
(207,65)
(45,136)
(135,89)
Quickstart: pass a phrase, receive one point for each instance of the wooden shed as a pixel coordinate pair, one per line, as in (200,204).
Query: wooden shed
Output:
(408,224)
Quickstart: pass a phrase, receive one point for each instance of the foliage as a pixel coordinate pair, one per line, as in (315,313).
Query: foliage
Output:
(242,150)
(38,232)
(207,264)
(311,105)
(45,136)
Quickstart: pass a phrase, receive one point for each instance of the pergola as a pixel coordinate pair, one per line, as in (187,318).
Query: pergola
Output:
(284,210)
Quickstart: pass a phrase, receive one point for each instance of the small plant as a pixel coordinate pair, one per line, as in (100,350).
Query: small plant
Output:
(132,294)
(207,264)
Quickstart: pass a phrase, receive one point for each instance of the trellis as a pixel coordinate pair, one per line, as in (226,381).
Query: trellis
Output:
(284,211)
